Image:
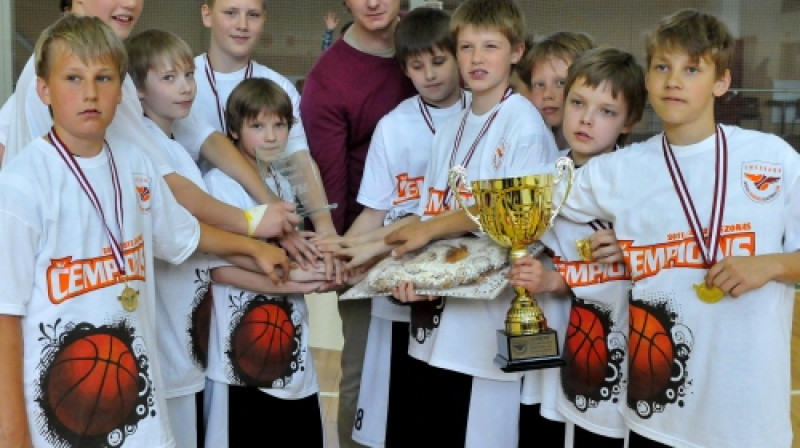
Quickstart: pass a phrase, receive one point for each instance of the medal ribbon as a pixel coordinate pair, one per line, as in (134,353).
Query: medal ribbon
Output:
(212,81)
(708,244)
(426,113)
(481,133)
(75,168)
(598,225)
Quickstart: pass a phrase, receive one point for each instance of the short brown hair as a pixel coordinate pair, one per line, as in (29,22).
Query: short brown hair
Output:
(210,4)
(154,49)
(621,73)
(422,30)
(502,15)
(88,38)
(252,97)
(697,33)
(564,45)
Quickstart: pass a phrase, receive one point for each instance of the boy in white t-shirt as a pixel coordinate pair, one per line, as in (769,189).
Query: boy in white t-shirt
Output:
(390,191)
(604,99)
(709,317)
(32,120)
(82,216)
(260,366)
(468,401)
(235,27)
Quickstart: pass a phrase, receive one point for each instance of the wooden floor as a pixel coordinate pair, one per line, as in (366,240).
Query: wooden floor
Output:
(327,362)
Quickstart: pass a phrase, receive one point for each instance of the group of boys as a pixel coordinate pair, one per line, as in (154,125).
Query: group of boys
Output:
(110,327)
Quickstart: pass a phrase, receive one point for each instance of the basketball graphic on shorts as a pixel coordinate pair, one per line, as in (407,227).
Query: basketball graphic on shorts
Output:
(651,354)
(586,353)
(263,344)
(92,385)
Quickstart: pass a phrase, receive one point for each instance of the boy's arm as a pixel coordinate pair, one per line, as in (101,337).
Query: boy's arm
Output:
(277,219)
(266,256)
(14,430)
(416,235)
(738,275)
(218,150)
(253,281)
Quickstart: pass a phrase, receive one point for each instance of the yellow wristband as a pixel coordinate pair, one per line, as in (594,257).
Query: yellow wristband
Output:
(253,217)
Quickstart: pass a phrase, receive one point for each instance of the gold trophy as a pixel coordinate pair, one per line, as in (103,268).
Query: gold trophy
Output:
(515,212)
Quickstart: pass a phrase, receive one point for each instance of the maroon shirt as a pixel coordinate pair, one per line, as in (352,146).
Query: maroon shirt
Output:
(344,96)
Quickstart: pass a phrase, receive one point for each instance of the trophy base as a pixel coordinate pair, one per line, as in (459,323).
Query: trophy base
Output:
(527,352)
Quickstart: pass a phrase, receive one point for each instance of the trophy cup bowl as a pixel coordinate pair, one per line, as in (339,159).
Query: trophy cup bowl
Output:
(514,212)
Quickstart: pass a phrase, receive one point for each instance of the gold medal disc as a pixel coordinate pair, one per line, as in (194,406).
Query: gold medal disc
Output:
(584,249)
(707,295)
(129,299)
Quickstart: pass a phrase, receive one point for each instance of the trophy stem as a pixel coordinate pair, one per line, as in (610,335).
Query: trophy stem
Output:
(524,317)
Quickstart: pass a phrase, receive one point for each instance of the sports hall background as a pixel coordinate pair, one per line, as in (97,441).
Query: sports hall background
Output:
(766,75)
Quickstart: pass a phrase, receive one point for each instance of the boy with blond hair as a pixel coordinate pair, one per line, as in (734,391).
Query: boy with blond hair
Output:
(605,97)
(469,400)
(712,255)
(77,312)
(543,70)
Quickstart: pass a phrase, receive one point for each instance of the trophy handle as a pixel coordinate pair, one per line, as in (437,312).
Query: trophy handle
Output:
(562,164)
(456,174)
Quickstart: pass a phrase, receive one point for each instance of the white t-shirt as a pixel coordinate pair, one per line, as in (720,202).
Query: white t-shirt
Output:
(724,367)
(517,143)
(6,112)
(589,386)
(182,297)
(258,339)
(395,169)
(205,107)
(33,120)
(60,276)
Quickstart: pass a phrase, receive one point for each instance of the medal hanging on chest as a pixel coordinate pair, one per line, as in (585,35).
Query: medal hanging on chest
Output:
(129,297)
(708,244)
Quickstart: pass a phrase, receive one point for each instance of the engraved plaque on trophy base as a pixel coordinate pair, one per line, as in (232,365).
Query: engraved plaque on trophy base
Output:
(527,352)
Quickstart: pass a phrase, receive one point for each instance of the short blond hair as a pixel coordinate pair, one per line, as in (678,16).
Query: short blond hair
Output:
(699,34)
(154,49)
(88,38)
(502,15)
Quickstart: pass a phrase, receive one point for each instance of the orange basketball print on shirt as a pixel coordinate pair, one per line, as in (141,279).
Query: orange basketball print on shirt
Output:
(658,349)
(264,344)
(593,371)
(95,388)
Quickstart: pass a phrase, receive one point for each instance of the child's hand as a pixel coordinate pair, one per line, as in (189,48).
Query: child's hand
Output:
(331,21)
(362,255)
(605,247)
(527,273)
(738,275)
(300,249)
(313,274)
(268,257)
(405,293)
(278,219)
(408,238)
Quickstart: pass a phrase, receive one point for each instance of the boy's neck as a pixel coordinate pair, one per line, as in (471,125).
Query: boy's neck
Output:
(223,62)
(451,99)
(689,133)
(163,123)
(79,146)
(484,101)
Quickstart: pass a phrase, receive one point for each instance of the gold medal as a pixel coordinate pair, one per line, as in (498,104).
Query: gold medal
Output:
(129,299)
(584,249)
(707,295)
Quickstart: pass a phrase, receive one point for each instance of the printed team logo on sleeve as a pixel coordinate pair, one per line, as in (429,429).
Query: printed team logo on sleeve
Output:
(142,184)
(499,153)
(762,181)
